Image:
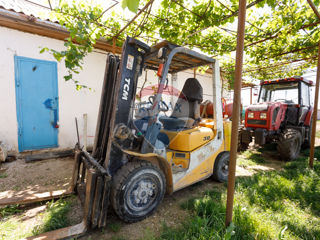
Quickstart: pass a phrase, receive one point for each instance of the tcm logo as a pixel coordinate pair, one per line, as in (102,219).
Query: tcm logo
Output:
(126,89)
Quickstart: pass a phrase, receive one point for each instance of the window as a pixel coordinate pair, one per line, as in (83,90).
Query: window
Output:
(280,92)
(305,99)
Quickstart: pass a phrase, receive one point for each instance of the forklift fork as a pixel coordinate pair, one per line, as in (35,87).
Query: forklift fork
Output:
(92,184)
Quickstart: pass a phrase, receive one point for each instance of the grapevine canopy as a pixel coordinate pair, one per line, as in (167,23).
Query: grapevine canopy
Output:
(281,36)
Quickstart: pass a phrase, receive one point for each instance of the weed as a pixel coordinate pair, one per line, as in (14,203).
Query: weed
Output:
(9,210)
(54,217)
(114,227)
(148,234)
(3,175)
(250,158)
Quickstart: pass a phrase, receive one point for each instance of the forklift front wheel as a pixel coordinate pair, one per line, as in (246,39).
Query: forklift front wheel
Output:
(137,189)
(221,167)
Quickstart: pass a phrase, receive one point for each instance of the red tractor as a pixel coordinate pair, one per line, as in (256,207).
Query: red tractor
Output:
(283,115)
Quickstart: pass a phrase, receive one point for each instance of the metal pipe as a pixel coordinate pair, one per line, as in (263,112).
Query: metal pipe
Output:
(315,113)
(316,97)
(94,162)
(236,110)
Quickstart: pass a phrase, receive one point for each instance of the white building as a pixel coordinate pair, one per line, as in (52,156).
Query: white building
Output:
(38,108)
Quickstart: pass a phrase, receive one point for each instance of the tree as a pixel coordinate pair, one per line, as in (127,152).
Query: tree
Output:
(280,38)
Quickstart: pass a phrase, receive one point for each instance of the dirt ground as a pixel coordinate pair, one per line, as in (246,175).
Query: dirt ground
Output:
(55,174)
(19,178)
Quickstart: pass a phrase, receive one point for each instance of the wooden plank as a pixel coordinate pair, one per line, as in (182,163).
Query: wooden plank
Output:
(48,155)
(22,22)
(27,198)
(90,190)
(63,233)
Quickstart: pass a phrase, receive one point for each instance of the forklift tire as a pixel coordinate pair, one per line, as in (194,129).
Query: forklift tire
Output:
(221,167)
(289,144)
(137,189)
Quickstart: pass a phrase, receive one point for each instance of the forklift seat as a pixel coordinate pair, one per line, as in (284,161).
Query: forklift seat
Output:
(187,108)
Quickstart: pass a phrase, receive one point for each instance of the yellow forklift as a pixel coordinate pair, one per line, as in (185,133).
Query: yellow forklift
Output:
(142,153)
(153,154)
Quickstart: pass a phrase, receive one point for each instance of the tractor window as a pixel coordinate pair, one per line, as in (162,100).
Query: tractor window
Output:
(280,92)
(305,94)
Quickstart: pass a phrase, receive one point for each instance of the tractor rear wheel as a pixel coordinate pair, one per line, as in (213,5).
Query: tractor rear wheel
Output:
(137,189)
(289,144)
(221,167)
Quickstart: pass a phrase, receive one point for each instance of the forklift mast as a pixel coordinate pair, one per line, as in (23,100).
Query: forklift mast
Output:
(117,102)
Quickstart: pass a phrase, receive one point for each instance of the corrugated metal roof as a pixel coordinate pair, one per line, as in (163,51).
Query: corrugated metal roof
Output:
(26,7)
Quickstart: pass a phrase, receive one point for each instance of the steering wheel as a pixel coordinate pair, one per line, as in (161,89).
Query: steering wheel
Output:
(162,104)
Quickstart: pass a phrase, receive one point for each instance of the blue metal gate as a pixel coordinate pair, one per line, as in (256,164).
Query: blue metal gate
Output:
(37,103)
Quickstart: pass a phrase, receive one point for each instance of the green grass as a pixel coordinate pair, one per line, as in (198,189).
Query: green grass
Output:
(268,205)
(9,210)
(13,225)
(55,216)
(114,227)
(3,175)
(250,158)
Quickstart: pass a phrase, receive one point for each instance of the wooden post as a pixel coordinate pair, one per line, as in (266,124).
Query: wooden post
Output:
(85,131)
(315,113)
(235,111)
(316,96)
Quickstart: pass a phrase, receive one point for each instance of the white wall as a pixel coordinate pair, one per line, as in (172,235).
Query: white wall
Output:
(72,103)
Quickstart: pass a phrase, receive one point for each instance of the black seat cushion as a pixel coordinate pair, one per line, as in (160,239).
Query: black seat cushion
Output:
(172,123)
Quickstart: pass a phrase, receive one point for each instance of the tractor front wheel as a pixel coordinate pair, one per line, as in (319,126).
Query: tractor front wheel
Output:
(289,144)
(137,189)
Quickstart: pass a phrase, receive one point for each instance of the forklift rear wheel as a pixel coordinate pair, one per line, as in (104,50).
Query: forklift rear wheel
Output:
(137,189)
(289,144)
(221,167)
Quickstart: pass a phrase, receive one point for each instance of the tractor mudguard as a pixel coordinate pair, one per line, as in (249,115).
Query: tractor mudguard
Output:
(307,121)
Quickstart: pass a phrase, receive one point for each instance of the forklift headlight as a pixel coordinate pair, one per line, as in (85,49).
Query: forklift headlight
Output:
(263,115)
(250,115)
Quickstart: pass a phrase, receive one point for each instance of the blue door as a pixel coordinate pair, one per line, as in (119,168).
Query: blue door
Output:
(37,103)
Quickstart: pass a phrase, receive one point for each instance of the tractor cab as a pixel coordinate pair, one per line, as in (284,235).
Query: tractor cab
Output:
(283,109)
(289,95)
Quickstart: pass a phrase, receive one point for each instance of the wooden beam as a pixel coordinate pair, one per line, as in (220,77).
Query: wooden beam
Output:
(24,23)
(27,198)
